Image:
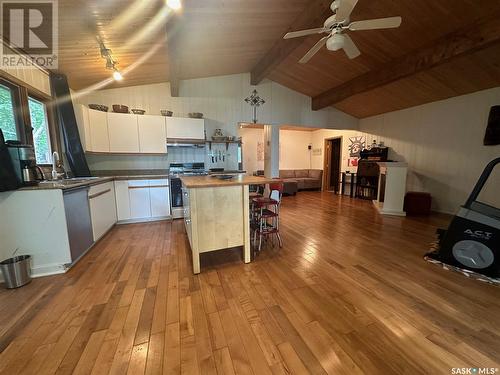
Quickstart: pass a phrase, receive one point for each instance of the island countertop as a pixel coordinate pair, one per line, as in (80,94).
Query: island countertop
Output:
(239,180)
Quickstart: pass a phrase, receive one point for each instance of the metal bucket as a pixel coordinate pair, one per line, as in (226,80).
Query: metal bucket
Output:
(16,271)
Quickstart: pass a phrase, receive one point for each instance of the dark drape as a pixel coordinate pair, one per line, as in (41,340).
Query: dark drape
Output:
(67,121)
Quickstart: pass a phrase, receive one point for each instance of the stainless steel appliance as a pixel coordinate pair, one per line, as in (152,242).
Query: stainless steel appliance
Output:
(78,221)
(24,163)
(177,170)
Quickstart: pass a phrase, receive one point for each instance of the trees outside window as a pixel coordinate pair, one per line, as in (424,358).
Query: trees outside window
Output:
(7,114)
(41,138)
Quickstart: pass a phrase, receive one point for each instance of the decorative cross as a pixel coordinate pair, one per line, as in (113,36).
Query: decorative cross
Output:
(255,101)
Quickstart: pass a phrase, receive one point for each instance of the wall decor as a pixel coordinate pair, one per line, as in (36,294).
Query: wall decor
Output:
(317,151)
(357,144)
(255,101)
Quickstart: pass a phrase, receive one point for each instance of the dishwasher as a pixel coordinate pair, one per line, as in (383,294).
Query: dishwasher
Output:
(78,221)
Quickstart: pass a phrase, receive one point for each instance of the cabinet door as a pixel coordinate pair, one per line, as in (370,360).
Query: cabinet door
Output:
(82,121)
(102,208)
(185,128)
(98,125)
(152,134)
(123,133)
(140,201)
(122,200)
(160,198)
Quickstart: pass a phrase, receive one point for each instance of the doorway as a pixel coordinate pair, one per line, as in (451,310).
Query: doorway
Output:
(331,165)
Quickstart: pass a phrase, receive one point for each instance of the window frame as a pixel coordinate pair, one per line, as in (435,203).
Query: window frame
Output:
(21,93)
(46,110)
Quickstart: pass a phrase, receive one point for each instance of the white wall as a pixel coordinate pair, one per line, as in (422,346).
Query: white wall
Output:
(442,143)
(221,100)
(294,153)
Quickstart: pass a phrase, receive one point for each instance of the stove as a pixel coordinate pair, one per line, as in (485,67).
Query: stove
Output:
(181,169)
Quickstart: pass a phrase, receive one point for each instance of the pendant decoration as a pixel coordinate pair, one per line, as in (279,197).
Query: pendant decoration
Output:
(255,101)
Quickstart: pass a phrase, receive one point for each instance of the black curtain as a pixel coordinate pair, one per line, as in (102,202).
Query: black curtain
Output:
(67,121)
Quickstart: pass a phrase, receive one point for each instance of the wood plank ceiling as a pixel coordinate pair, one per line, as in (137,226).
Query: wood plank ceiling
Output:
(216,37)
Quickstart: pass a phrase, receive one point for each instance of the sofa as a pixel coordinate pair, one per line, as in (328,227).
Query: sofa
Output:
(299,179)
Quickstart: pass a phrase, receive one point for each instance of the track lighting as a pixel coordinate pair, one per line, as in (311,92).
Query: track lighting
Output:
(117,76)
(174,4)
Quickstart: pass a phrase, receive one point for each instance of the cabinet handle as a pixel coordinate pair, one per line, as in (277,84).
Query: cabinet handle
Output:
(188,221)
(99,194)
(158,186)
(138,187)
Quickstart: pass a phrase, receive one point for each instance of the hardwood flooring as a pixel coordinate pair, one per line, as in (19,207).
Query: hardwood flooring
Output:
(348,293)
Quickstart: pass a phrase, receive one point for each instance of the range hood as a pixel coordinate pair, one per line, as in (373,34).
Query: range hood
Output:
(183,142)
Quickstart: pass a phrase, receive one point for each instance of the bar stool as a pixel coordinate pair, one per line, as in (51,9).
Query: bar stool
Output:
(265,215)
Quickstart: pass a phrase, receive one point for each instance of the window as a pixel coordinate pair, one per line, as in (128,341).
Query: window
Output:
(40,125)
(7,114)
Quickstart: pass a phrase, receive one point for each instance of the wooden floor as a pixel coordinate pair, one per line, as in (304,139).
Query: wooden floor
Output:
(349,293)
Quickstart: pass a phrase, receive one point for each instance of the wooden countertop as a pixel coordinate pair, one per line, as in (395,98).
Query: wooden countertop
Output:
(209,181)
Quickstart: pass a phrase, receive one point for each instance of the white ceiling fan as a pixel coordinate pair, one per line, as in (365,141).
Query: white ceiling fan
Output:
(336,25)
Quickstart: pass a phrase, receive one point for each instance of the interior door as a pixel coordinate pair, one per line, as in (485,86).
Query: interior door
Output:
(335,164)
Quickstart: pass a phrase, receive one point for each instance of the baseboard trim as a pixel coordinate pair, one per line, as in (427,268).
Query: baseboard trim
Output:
(47,270)
(145,220)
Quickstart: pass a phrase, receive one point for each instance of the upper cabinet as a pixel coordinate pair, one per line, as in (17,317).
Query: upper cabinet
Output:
(123,133)
(93,129)
(152,134)
(185,128)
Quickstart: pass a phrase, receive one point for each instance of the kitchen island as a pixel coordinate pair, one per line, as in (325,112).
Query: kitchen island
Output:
(216,213)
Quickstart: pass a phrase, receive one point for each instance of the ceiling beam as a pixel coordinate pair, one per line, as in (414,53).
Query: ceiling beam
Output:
(313,16)
(479,35)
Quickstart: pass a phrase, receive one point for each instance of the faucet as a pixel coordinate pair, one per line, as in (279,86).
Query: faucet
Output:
(55,160)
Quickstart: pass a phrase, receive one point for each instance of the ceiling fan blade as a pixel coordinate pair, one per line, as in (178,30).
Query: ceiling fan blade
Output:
(314,50)
(350,48)
(296,34)
(378,23)
(345,9)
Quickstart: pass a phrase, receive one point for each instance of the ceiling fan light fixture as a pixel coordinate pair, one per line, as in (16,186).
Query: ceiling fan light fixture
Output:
(117,76)
(335,42)
(174,4)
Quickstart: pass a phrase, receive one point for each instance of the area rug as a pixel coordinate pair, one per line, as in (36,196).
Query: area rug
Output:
(433,257)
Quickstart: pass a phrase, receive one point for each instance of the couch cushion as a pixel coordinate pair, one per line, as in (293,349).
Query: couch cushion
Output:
(302,173)
(287,173)
(309,183)
(315,173)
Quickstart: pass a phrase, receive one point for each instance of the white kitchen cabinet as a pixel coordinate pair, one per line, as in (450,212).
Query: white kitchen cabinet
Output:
(93,128)
(122,200)
(98,128)
(140,201)
(185,128)
(102,208)
(82,121)
(152,134)
(123,133)
(160,198)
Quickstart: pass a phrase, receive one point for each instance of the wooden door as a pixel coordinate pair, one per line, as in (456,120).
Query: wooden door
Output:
(333,157)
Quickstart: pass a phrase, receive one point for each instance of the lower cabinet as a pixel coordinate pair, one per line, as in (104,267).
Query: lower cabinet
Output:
(142,200)
(102,208)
